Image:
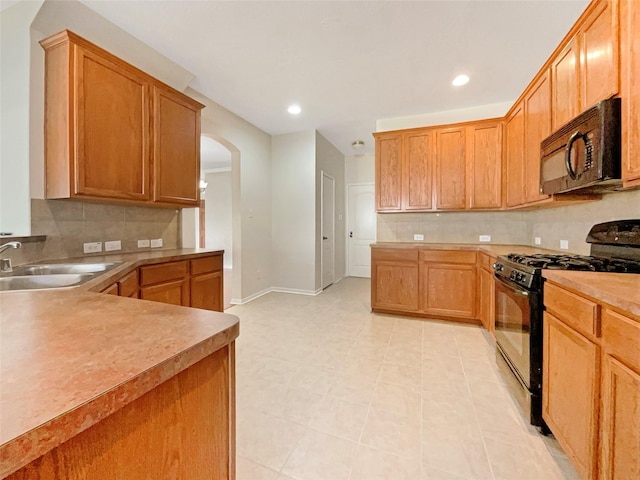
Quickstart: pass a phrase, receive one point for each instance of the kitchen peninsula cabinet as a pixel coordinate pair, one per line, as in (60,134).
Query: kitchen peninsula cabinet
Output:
(114,133)
(591,381)
(630,89)
(166,283)
(206,283)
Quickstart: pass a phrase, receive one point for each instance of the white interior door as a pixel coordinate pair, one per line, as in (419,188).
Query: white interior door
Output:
(361,228)
(328,230)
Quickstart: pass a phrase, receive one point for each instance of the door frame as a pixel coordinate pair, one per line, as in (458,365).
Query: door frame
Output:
(333,225)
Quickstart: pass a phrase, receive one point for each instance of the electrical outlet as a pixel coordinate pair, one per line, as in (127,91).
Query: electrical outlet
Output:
(113,245)
(485,238)
(143,243)
(418,236)
(564,244)
(156,242)
(92,247)
(537,240)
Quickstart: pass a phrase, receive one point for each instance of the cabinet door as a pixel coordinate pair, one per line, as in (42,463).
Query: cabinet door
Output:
(394,279)
(630,88)
(206,291)
(620,421)
(176,149)
(570,393)
(599,54)
(417,170)
(486,300)
(537,127)
(448,289)
(388,171)
(484,159)
(111,129)
(175,293)
(565,71)
(450,168)
(515,157)
(128,285)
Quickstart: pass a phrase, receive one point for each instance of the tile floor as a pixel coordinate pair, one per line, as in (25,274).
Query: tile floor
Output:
(327,390)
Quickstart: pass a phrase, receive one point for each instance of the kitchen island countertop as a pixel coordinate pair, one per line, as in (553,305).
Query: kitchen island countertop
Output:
(70,357)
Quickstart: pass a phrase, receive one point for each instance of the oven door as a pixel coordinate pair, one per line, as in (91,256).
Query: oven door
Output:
(513,326)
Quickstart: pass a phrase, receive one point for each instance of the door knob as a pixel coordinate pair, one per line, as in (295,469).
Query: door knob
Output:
(350,234)
(325,238)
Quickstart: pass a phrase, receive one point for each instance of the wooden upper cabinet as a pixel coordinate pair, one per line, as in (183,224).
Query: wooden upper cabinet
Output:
(537,127)
(450,168)
(101,125)
(111,125)
(388,172)
(565,71)
(599,44)
(484,162)
(515,157)
(417,170)
(630,90)
(176,143)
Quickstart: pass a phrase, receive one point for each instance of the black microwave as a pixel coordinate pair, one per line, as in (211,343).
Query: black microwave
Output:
(583,156)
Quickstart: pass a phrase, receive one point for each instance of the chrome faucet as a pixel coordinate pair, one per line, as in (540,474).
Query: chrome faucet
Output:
(5,263)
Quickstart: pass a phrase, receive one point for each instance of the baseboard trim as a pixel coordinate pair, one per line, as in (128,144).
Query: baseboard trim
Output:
(296,291)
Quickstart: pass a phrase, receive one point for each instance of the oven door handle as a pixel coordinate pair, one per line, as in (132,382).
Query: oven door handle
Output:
(513,286)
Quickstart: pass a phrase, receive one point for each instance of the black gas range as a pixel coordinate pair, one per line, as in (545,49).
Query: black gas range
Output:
(615,247)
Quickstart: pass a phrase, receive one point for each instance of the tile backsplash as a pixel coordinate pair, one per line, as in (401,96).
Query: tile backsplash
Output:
(571,223)
(68,224)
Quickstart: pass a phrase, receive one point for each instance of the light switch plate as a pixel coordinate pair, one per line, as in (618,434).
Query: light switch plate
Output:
(418,236)
(143,243)
(156,242)
(113,245)
(92,247)
(564,244)
(537,240)
(485,238)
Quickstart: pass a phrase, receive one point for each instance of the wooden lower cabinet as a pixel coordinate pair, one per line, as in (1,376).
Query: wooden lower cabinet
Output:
(394,279)
(183,429)
(206,288)
(591,384)
(570,393)
(422,282)
(166,283)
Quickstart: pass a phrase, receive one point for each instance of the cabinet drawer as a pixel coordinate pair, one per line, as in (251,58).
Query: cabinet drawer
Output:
(486,262)
(394,254)
(448,256)
(129,284)
(577,312)
(621,338)
(163,272)
(206,264)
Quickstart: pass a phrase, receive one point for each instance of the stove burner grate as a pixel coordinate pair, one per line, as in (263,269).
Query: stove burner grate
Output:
(576,262)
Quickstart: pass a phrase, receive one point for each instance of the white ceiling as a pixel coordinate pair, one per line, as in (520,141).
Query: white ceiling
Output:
(349,63)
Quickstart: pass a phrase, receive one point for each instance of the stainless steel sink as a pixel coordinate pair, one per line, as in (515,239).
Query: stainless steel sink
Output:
(62,268)
(34,282)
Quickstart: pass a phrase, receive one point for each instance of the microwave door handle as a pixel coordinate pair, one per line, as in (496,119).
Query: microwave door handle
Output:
(567,155)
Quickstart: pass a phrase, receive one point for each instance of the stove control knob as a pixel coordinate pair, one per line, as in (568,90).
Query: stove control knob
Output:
(498,267)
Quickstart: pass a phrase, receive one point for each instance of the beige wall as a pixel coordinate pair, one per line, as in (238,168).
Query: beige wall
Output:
(218,218)
(330,161)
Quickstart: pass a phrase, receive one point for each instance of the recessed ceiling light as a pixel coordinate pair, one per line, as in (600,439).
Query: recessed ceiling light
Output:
(294,109)
(357,144)
(460,80)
